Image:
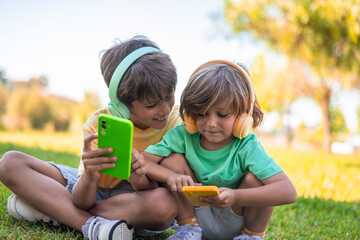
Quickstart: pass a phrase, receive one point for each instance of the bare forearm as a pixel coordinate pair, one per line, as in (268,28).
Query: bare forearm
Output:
(157,172)
(277,190)
(84,193)
(143,184)
(268,195)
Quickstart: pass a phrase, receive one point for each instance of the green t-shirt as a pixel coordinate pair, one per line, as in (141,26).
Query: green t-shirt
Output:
(223,168)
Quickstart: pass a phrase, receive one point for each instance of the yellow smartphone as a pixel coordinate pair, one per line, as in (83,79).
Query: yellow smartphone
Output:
(116,133)
(192,193)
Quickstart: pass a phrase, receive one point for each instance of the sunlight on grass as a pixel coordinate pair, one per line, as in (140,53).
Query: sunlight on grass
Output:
(316,174)
(67,142)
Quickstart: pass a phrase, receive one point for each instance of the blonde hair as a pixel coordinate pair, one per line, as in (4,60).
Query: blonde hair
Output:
(215,83)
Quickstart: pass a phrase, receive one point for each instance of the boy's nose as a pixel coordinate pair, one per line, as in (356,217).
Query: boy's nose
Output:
(164,108)
(212,121)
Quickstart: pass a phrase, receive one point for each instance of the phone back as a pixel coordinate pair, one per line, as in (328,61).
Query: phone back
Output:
(192,193)
(116,133)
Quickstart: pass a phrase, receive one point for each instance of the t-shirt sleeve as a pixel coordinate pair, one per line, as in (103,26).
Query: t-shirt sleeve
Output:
(173,141)
(259,162)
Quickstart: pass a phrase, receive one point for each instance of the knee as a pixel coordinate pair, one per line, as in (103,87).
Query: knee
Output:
(163,205)
(250,181)
(9,162)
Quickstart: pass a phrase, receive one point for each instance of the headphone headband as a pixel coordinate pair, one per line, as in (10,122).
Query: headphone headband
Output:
(243,72)
(117,107)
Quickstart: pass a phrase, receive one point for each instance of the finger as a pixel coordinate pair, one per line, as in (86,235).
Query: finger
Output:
(185,182)
(137,157)
(179,186)
(140,171)
(96,152)
(134,151)
(205,200)
(99,167)
(173,187)
(138,163)
(99,161)
(88,140)
(191,181)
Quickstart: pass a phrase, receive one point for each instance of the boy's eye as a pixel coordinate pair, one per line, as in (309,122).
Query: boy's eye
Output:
(223,115)
(151,105)
(200,114)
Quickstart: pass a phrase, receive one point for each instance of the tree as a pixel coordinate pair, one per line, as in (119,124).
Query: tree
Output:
(337,120)
(276,86)
(37,109)
(325,35)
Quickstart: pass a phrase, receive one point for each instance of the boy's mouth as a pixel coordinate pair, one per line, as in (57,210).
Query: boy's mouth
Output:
(161,119)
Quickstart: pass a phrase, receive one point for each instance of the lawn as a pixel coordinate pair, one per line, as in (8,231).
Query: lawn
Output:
(328,187)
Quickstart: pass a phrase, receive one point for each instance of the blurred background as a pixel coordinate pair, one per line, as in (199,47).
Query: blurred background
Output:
(303,57)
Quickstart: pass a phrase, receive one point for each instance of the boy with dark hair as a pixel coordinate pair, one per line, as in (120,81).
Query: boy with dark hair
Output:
(77,198)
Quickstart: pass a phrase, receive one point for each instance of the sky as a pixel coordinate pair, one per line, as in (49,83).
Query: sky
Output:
(62,40)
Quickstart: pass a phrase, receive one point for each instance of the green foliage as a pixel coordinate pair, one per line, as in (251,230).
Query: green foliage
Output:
(15,109)
(337,122)
(61,112)
(276,86)
(324,34)
(30,107)
(37,109)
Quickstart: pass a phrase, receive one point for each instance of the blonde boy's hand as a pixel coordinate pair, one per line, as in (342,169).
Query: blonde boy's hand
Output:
(93,160)
(225,199)
(177,181)
(137,166)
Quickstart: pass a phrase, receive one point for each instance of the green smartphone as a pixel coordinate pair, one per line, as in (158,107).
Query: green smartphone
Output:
(116,133)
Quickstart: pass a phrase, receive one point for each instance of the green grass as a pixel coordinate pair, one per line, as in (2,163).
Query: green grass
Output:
(328,206)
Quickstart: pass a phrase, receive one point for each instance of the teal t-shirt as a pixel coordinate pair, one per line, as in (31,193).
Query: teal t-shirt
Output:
(223,168)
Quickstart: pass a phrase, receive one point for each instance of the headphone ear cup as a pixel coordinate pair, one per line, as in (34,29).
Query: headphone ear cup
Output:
(189,124)
(242,126)
(119,109)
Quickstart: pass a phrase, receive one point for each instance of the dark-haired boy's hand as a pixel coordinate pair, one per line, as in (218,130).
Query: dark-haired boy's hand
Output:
(138,170)
(177,181)
(93,160)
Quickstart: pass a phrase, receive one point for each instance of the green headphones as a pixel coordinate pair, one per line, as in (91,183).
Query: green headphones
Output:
(116,107)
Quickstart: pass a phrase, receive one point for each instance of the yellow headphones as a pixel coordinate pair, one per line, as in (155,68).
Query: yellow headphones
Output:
(243,123)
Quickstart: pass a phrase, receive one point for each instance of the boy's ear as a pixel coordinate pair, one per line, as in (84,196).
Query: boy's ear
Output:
(119,109)
(116,107)
(189,124)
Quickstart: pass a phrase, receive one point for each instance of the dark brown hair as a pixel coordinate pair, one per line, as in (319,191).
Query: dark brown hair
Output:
(146,78)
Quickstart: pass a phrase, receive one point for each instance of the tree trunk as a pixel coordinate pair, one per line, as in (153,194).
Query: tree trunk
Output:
(325,102)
